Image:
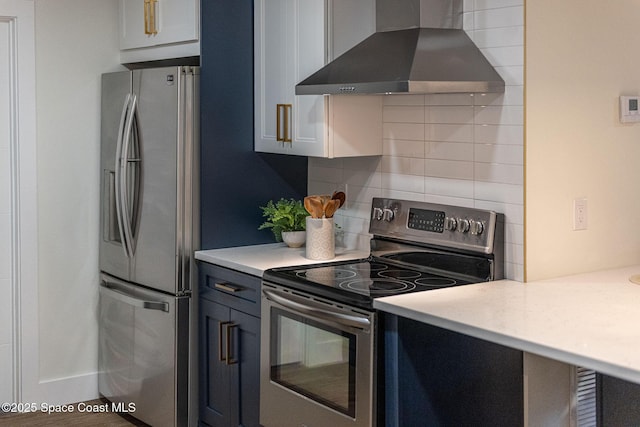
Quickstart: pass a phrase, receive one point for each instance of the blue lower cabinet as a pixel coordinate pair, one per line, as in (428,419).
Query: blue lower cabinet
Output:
(435,377)
(229,352)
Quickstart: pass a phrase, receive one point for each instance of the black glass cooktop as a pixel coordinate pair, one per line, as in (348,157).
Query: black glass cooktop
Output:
(359,282)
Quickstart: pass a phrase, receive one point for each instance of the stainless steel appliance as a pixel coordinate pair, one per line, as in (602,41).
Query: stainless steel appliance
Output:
(149,230)
(320,335)
(419,47)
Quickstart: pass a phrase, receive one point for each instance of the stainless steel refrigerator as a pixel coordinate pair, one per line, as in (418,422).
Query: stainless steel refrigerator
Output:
(149,230)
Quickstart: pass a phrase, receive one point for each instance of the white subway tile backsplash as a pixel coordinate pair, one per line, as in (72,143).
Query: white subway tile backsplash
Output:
(450,151)
(496,153)
(504,55)
(499,17)
(498,37)
(406,131)
(503,115)
(326,174)
(499,134)
(359,164)
(499,193)
(449,132)
(403,114)
(513,95)
(449,169)
(440,99)
(402,166)
(458,188)
(513,75)
(495,4)
(403,100)
(495,172)
(460,149)
(462,114)
(398,182)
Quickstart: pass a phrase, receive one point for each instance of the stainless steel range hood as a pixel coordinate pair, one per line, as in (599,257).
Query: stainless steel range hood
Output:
(419,47)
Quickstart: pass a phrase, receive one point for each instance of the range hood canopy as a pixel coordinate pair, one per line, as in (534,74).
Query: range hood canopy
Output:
(419,47)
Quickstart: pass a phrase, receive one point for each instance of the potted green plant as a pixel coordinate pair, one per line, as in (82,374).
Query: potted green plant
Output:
(286,219)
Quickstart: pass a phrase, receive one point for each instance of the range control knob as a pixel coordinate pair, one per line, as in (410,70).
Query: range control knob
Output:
(476,227)
(463,225)
(377,214)
(450,224)
(387,214)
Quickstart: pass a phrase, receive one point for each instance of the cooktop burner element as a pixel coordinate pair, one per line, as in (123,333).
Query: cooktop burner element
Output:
(416,246)
(377,286)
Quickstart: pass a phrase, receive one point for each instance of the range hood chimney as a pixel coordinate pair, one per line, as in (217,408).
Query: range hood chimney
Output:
(419,47)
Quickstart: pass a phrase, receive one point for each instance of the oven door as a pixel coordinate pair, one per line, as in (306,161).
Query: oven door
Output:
(317,363)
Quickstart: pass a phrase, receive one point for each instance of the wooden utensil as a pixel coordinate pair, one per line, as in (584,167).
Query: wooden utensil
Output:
(331,208)
(308,205)
(317,208)
(339,195)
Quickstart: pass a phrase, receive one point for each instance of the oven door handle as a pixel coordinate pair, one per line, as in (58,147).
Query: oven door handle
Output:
(322,313)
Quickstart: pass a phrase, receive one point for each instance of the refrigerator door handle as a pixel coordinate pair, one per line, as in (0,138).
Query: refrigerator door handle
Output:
(122,296)
(118,175)
(129,207)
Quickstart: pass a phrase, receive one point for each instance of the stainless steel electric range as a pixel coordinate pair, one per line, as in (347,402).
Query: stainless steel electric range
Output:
(319,330)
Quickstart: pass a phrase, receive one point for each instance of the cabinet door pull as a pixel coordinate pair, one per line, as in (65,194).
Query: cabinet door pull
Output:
(150,17)
(283,111)
(279,137)
(226,287)
(223,357)
(287,124)
(229,359)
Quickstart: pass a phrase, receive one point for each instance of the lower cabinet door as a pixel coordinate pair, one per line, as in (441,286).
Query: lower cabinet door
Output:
(246,373)
(215,396)
(229,366)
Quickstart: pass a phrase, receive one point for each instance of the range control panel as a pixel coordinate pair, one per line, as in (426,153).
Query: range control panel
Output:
(430,223)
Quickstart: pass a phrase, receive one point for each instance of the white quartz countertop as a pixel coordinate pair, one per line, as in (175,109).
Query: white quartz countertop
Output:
(256,259)
(589,320)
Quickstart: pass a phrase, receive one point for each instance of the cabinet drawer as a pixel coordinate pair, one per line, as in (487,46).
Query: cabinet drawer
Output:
(237,290)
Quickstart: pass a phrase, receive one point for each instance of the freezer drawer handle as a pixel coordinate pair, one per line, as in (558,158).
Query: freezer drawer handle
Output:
(227,287)
(122,296)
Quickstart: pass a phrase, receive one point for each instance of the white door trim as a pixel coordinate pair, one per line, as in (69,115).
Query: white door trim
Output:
(19,14)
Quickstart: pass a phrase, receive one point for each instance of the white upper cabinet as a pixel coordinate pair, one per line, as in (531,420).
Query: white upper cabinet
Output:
(159,29)
(293,39)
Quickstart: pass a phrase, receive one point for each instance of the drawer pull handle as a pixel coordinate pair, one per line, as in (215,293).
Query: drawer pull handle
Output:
(227,288)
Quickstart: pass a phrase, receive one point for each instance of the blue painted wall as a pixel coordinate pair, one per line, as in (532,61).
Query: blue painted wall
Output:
(235,181)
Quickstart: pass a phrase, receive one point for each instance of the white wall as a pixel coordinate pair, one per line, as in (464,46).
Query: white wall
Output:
(76,41)
(580,59)
(454,149)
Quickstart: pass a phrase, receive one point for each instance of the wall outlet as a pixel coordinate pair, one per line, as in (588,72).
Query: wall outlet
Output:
(580,214)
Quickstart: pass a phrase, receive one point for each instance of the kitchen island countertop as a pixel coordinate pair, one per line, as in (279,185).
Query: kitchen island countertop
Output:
(590,320)
(256,259)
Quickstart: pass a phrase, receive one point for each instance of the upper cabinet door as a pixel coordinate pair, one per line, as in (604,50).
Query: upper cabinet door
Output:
(146,23)
(293,39)
(289,45)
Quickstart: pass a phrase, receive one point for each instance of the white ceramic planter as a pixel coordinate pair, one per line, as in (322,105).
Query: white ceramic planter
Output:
(294,239)
(321,244)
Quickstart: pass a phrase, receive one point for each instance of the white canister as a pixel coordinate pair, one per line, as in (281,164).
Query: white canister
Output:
(321,244)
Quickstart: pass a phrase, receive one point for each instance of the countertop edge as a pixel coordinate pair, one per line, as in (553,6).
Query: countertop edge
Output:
(511,341)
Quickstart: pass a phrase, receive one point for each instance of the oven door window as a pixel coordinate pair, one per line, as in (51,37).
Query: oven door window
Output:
(313,359)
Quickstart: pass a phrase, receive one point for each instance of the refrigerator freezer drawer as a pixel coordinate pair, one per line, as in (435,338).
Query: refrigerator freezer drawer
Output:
(143,338)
